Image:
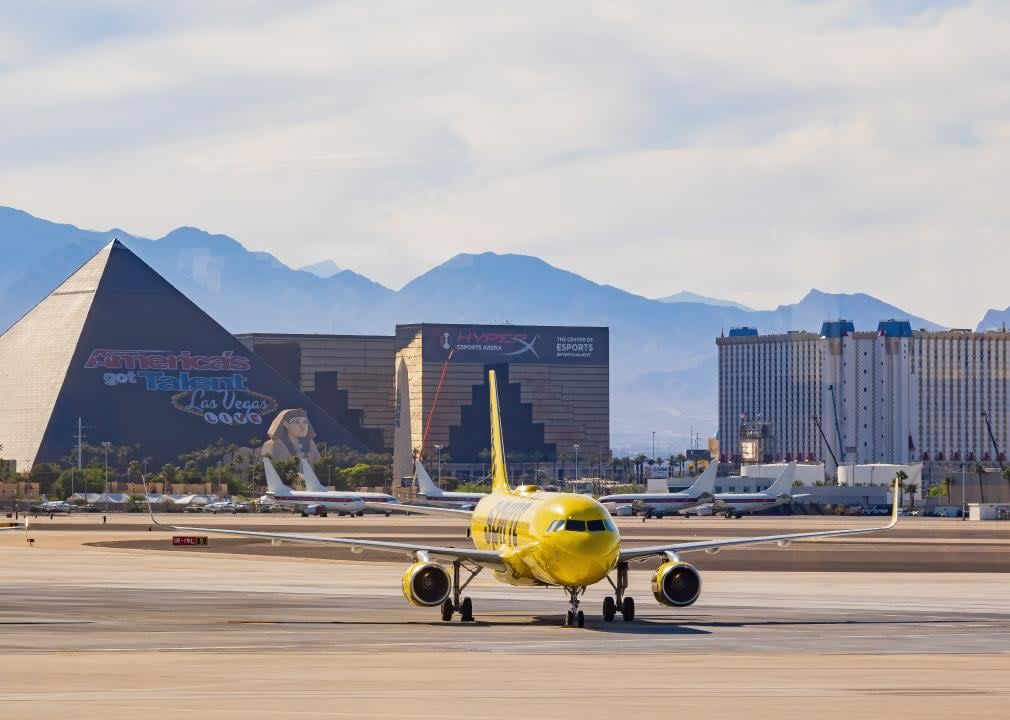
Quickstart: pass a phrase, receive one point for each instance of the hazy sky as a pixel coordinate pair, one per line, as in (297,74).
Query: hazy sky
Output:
(744,149)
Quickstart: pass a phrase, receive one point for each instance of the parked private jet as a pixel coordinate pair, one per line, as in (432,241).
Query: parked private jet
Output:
(658,501)
(373,500)
(734,505)
(309,502)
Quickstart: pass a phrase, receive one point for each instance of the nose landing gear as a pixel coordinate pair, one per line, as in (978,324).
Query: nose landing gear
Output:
(575,617)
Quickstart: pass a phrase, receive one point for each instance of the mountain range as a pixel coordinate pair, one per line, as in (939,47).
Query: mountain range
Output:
(688,296)
(663,353)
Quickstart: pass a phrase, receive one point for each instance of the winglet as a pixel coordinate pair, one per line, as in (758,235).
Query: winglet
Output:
(147,499)
(499,473)
(894,508)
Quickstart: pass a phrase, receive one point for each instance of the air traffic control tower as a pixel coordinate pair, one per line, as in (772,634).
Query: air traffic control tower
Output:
(554,384)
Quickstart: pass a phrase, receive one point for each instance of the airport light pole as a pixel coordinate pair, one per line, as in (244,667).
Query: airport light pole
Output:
(654,445)
(576,466)
(105,447)
(438,463)
(964,506)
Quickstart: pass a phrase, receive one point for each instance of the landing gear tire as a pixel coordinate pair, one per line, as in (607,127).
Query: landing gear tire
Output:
(466,610)
(609,609)
(447,611)
(580,619)
(628,609)
(569,619)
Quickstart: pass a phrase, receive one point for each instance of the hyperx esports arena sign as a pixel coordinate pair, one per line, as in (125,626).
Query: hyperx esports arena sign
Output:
(517,344)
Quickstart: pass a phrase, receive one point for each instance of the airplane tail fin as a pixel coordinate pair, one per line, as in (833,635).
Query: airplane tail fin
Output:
(784,484)
(274,482)
(310,478)
(705,483)
(499,473)
(425,484)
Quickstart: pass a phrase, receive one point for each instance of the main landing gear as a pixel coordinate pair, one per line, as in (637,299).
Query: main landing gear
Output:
(457,603)
(623,605)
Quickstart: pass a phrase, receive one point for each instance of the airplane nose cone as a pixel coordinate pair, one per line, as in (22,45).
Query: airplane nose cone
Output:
(584,558)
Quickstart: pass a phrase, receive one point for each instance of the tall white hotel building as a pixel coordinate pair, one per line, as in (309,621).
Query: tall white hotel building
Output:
(889,396)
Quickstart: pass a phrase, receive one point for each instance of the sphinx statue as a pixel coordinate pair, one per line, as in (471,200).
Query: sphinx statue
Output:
(291,435)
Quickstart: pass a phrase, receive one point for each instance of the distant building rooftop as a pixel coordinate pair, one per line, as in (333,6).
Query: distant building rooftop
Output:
(743,332)
(837,328)
(895,328)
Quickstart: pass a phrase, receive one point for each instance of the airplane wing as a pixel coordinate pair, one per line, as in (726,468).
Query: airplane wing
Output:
(486,558)
(641,553)
(419,509)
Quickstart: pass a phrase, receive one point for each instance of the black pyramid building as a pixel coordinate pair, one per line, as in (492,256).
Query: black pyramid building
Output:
(120,347)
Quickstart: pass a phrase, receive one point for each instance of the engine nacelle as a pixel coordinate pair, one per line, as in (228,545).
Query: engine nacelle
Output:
(676,584)
(426,584)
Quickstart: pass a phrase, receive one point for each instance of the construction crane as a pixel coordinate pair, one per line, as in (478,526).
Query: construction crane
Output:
(992,438)
(831,452)
(838,427)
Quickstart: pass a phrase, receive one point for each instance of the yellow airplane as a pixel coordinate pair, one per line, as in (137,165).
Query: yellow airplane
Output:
(534,538)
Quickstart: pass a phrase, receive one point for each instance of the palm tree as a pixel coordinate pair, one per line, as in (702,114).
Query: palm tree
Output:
(911,489)
(1006,474)
(639,461)
(980,471)
(947,482)
(901,477)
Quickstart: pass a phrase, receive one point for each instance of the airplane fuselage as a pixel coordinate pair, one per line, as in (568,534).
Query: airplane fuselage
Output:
(337,502)
(453,499)
(658,503)
(547,538)
(746,503)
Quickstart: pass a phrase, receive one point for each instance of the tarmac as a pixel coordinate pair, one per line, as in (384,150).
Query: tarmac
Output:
(93,621)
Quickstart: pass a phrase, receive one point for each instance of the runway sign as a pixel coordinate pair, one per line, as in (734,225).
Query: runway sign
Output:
(189,539)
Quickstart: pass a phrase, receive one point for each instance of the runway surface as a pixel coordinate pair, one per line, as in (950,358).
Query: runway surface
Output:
(180,631)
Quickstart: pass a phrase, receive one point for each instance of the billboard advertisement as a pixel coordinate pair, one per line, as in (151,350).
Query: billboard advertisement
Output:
(517,344)
(151,369)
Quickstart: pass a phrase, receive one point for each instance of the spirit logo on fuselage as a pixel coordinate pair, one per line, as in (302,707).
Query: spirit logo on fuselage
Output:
(501,527)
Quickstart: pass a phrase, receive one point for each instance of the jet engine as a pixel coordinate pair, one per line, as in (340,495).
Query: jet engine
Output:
(676,584)
(426,584)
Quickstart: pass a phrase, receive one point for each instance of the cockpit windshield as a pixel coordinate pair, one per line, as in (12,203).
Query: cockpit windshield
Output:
(590,525)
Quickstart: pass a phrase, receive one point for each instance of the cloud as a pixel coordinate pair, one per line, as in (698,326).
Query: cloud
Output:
(743,150)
